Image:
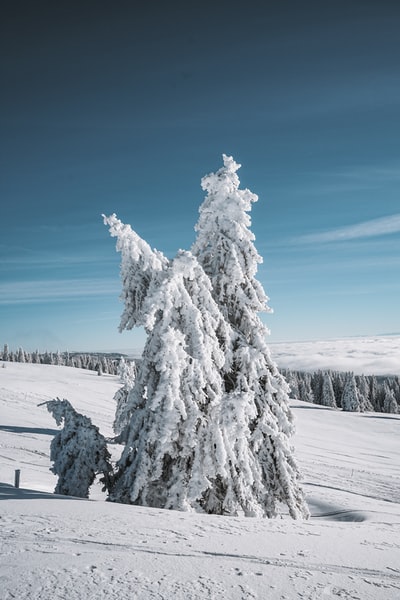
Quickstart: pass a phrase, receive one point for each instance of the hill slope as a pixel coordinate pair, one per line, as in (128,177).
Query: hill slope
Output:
(57,548)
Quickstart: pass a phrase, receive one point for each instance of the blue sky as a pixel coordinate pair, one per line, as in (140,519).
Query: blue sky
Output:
(107,108)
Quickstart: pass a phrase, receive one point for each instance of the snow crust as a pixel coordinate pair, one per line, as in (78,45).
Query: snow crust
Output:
(55,547)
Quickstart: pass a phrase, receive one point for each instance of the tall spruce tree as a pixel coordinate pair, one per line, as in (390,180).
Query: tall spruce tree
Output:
(225,249)
(350,397)
(209,415)
(389,402)
(327,395)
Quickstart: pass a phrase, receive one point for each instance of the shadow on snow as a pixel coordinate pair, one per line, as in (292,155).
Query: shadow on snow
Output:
(9,492)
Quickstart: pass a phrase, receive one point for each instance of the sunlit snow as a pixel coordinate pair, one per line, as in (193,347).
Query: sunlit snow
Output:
(58,547)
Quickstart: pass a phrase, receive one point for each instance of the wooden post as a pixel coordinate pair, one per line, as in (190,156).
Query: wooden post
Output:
(16,478)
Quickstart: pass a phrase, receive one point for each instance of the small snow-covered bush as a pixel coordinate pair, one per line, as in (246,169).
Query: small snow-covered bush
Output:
(78,451)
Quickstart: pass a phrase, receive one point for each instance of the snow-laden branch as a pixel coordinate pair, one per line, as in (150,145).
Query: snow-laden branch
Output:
(141,269)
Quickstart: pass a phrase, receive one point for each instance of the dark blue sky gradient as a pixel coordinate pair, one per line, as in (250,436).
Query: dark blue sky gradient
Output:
(119,108)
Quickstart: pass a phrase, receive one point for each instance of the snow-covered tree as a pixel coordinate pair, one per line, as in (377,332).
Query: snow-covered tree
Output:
(327,395)
(6,352)
(389,402)
(127,374)
(350,399)
(293,382)
(363,393)
(317,383)
(225,248)
(374,393)
(306,393)
(126,371)
(209,422)
(173,456)
(338,381)
(78,451)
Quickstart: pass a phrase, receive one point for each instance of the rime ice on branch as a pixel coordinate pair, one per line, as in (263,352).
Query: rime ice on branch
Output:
(209,416)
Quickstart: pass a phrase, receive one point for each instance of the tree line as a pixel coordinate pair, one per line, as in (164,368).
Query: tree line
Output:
(335,389)
(100,362)
(346,391)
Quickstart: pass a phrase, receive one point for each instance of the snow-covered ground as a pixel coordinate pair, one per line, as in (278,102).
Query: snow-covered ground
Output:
(62,548)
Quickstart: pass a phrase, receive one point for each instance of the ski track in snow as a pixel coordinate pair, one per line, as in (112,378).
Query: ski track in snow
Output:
(54,547)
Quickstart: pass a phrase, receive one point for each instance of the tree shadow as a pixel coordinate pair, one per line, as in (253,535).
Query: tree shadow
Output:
(313,406)
(9,492)
(39,430)
(392,417)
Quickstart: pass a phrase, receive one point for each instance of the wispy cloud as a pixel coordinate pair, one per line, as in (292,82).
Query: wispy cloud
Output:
(27,292)
(373,228)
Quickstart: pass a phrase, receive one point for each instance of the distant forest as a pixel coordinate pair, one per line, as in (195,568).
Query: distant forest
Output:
(346,391)
(334,389)
(102,362)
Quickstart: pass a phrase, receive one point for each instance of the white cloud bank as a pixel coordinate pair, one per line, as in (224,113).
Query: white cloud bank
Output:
(378,355)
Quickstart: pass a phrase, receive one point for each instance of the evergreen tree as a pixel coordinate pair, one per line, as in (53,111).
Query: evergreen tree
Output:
(316,384)
(225,249)
(209,413)
(127,373)
(168,459)
(389,402)
(6,352)
(293,382)
(209,419)
(306,393)
(350,399)
(327,396)
(363,393)
(78,451)
(338,380)
(374,393)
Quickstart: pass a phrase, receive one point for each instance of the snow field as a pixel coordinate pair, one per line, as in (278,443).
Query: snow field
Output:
(57,548)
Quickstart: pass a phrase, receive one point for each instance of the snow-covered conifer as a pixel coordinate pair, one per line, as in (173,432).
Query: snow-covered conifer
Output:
(225,249)
(141,269)
(6,352)
(338,381)
(327,395)
(363,393)
(374,393)
(174,455)
(293,382)
(306,393)
(78,451)
(209,418)
(317,383)
(389,402)
(127,371)
(127,374)
(350,399)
